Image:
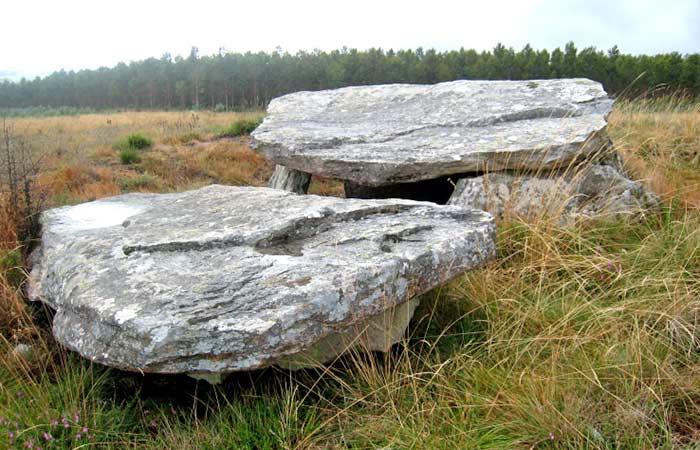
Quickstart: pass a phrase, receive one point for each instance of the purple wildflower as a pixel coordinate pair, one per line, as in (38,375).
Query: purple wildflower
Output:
(551,436)
(54,423)
(78,436)
(47,436)
(84,430)
(76,418)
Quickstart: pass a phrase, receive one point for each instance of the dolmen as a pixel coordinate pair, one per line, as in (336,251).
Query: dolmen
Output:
(523,146)
(224,279)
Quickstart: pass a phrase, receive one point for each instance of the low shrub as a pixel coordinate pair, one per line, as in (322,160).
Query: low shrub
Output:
(138,141)
(128,155)
(241,127)
(129,148)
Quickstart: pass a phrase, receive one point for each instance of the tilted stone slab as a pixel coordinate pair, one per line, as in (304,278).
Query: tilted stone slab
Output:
(399,133)
(223,279)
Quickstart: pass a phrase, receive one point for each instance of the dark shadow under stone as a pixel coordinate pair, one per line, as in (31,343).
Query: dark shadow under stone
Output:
(437,190)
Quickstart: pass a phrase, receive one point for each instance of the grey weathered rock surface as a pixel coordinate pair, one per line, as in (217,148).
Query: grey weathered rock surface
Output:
(290,180)
(599,190)
(223,279)
(388,134)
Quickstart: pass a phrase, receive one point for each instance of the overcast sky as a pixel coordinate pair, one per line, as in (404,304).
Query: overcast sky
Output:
(40,36)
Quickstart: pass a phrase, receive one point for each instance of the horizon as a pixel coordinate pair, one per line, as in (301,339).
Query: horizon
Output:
(76,36)
(18,76)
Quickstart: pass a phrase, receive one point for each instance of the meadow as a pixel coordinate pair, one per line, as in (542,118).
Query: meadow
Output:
(584,336)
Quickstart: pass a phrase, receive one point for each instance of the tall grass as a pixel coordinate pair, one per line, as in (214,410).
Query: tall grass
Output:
(660,142)
(576,336)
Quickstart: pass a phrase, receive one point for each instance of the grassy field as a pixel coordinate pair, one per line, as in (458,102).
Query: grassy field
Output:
(579,337)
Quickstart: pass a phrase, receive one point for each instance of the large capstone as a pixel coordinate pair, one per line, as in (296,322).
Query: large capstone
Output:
(401,133)
(223,279)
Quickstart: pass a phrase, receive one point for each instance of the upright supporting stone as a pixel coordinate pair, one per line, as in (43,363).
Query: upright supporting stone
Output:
(375,334)
(290,180)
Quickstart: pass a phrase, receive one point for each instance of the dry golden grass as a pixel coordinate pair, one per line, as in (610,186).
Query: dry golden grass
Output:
(79,162)
(662,148)
(575,337)
(104,129)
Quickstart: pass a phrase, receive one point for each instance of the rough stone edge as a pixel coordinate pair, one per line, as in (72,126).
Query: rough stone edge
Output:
(374,334)
(530,159)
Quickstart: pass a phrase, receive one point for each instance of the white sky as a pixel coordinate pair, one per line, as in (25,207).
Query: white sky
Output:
(40,36)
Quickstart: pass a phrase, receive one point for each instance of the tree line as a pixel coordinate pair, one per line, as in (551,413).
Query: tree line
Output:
(230,80)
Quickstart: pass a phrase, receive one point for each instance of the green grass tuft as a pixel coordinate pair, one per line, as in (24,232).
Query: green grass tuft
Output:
(129,148)
(129,155)
(241,127)
(138,141)
(137,182)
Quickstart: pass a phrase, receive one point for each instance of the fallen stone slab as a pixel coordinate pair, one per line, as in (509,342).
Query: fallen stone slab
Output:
(223,279)
(595,191)
(401,133)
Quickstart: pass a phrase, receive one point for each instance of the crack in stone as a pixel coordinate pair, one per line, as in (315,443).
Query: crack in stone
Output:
(176,246)
(285,241)
(386,241)
(530,114)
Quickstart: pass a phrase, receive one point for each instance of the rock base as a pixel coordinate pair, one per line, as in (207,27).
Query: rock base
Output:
(597,191)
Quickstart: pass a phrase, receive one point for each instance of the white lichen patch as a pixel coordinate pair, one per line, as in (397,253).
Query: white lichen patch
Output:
(89,216)
(143,266)
(127,313)
(246,325)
